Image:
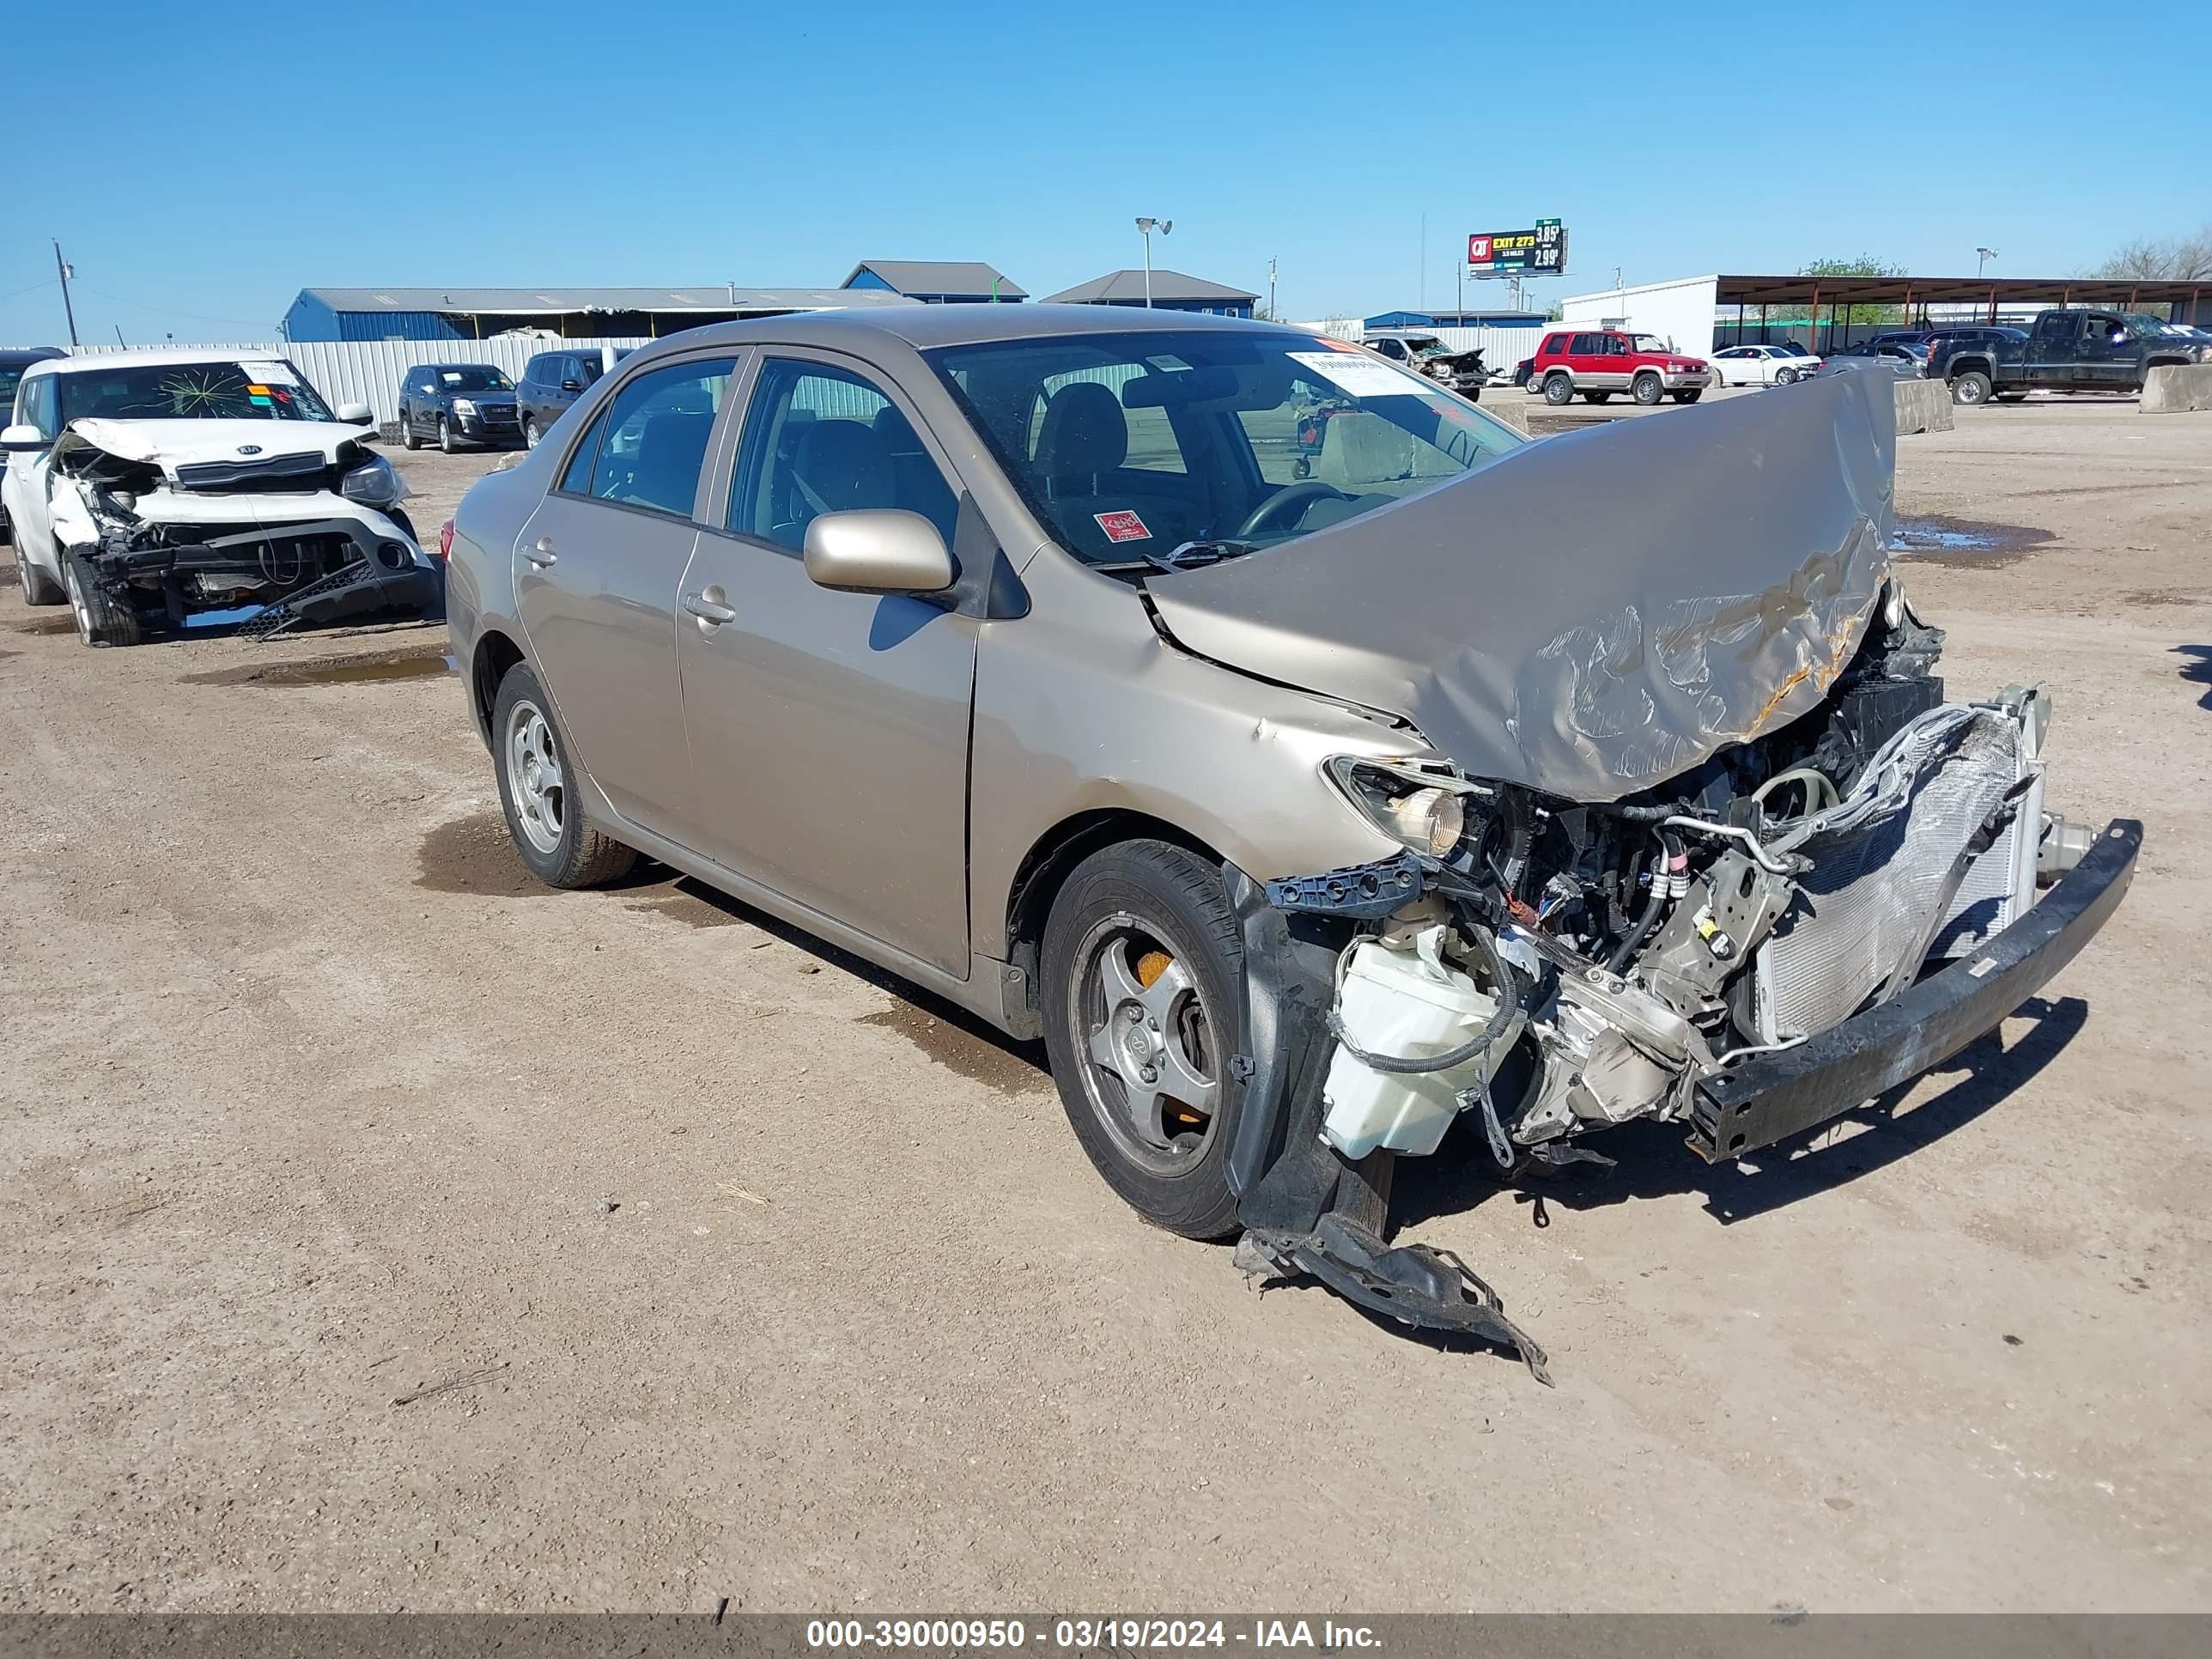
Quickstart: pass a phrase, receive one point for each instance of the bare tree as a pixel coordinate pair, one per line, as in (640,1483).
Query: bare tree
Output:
(2174,259)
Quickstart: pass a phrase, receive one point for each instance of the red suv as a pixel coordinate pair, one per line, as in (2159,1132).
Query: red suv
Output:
(1599,362)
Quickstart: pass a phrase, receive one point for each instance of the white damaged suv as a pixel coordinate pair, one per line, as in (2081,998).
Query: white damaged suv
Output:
(149,489)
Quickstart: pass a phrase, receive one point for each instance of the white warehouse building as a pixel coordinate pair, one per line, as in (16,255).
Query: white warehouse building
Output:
(1680,311)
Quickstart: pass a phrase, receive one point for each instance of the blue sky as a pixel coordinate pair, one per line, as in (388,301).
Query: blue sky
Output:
(200,162)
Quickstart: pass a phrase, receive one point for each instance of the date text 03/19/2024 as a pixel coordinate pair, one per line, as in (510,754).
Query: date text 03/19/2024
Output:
(1080,1635)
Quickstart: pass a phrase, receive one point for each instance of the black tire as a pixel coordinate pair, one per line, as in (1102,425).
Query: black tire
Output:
(1646,389)
(1785,377)
(1559,390)
(100,620)
(407,438)
(39,588)
(579,855)
(445,436)
(1971,388)
(1691,396)
(530,432)
(1597,397)
(1115,900)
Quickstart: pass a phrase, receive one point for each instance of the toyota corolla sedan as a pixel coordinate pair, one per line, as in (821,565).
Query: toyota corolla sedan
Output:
(1307,786)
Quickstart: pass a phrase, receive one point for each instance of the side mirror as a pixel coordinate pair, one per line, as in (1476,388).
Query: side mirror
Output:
(572,386)
(23,440)
(877,550)
(356,414)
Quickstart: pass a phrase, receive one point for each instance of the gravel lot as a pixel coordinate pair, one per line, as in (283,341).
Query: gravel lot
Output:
(315,1107)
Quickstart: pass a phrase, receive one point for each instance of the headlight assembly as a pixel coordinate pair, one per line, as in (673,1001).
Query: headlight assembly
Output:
(1428,815)
(463,406)
(374,484)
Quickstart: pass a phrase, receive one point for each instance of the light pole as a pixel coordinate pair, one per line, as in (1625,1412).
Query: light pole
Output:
(1982,257)
(1145,226)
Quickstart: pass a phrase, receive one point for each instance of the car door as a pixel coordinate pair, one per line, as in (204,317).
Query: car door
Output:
(596,574)
(2050,358)
(2102,362)
(829,731)
(29,516)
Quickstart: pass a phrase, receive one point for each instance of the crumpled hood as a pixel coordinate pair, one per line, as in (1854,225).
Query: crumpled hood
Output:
(1595,613)
(172,443)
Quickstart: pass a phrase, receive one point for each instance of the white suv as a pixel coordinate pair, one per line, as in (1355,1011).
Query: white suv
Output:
(151,489)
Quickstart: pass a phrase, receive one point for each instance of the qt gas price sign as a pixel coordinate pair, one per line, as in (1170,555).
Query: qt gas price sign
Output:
(1541,251)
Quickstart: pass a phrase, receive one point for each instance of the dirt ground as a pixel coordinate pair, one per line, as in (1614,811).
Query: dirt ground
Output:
(379,1229)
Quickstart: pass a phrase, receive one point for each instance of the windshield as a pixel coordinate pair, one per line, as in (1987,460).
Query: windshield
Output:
(1649,343)
(473,377)
(253,390)
(11,376)
(1128,446)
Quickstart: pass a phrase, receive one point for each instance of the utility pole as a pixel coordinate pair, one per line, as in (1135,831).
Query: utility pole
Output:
(62,266)
(1270,289)
(1983,256)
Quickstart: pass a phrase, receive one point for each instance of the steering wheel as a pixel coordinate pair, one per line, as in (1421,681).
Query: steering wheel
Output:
(1277,510)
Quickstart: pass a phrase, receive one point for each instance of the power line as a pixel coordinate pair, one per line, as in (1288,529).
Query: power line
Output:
(166,311)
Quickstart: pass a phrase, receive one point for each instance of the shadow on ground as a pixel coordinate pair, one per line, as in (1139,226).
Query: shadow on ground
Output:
(1655,1163)
(2197,670)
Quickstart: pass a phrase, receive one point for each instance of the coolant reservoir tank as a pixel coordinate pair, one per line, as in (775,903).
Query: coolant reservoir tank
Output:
(1403,1001)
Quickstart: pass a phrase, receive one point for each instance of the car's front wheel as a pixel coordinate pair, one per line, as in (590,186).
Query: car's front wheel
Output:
(538,791)
(530,432)
(407,438)
(1144,1006)
(1557,390)
(39,588)
(445,436)
(1785,377)
(1646,389)
(100,620)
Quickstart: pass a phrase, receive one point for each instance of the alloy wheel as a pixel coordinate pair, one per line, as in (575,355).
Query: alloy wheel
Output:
(536,782)
(1153,1076)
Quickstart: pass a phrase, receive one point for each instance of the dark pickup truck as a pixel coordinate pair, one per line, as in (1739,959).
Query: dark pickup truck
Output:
(2065,351)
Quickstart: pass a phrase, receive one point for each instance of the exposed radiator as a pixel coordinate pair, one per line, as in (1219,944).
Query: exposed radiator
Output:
(1882,861)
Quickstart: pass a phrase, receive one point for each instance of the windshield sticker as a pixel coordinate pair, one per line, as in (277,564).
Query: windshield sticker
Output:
(271,373)
(1361,376)
(1122,527)
(1169,364)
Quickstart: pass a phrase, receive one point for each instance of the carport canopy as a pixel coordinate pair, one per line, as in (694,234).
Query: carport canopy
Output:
(2186,298)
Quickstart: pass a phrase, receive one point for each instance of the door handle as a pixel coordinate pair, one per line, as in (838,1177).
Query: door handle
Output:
(711,611)
(541,555)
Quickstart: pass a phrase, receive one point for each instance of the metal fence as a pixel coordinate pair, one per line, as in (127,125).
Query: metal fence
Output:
(369,371)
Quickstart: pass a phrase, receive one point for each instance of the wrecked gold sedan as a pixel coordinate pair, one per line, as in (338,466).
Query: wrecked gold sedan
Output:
(1309,759)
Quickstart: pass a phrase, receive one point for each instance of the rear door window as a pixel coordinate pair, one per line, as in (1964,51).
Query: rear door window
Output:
(647,447)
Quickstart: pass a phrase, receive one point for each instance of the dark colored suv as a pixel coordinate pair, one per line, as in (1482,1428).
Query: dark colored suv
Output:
(456,403)
(553,380)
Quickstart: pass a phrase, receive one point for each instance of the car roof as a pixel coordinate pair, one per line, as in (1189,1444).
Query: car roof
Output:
(17,356)
(99,360)
(925,327)
(494,368)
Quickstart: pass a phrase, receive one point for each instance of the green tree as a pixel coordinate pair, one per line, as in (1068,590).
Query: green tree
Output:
(1865,265)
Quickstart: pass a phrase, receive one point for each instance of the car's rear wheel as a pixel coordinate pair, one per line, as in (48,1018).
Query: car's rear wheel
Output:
(445,436)
(538,794)
(1557,389)
(1144,1005)
(39,588)
(1970,387)
(1645,389)
(100,620)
